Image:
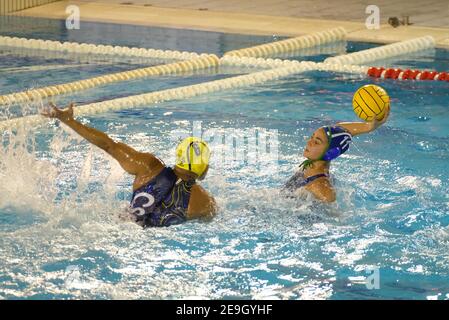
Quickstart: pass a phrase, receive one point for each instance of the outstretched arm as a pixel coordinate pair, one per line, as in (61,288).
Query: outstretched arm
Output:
(356,128)
(132,161)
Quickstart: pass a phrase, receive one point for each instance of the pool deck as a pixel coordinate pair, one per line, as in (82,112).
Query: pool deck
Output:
(233,16)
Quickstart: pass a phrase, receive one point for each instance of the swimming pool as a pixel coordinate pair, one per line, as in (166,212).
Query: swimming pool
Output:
(60,198)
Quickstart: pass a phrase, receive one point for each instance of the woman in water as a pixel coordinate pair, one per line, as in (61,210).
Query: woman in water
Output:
(162,196)
(326,144)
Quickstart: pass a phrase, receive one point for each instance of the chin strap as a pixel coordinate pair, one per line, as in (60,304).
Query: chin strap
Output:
(306,163)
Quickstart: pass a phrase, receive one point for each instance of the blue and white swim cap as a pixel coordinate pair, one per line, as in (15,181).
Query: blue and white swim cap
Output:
(338,142)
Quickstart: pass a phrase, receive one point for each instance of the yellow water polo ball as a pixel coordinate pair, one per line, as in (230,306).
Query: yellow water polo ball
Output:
(370,101)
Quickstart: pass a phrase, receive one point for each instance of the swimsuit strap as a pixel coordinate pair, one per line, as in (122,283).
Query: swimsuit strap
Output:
(313,178)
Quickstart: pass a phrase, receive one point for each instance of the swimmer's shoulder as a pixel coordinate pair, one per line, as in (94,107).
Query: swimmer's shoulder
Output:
(154,166)
(322,189)
(201,203)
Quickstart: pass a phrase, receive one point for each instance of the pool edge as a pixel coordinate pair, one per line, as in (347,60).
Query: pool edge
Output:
(230,22)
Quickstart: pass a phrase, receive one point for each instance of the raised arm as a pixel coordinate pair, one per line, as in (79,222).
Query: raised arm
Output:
(356,128)
(132,161)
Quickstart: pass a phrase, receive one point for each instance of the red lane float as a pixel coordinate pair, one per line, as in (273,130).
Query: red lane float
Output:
(407,74)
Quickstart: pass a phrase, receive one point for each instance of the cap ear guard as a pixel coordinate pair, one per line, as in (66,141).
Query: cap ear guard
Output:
(331,154)
(193,148)
(338,142)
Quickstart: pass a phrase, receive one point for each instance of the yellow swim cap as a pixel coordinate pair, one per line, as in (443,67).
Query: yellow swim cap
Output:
(193,154)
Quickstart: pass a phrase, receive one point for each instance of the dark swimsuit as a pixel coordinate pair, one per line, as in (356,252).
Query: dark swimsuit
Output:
(161,202)
(298,180)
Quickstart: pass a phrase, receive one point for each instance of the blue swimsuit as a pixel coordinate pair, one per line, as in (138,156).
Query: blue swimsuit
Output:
(162,202)
(298,180)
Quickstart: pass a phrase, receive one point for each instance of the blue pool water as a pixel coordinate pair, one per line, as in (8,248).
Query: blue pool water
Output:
(60,236)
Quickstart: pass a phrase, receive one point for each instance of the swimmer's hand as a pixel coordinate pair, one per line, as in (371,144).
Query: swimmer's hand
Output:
(62,115)
(377,123)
